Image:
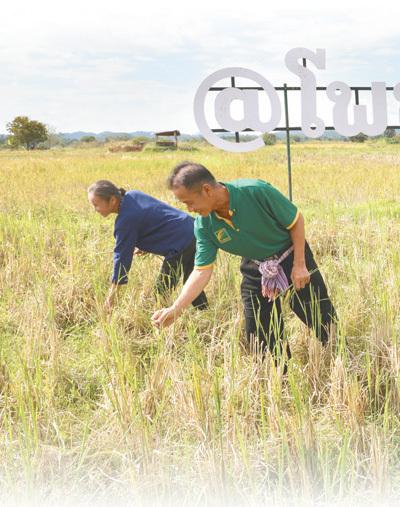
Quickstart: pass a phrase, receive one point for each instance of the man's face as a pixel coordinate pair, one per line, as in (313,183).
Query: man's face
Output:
(101,205)
(200,200)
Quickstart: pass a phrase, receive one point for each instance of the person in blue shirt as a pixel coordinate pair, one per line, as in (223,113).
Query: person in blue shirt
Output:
(146,225)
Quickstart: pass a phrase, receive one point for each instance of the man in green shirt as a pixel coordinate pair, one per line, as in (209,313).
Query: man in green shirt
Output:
(251,218)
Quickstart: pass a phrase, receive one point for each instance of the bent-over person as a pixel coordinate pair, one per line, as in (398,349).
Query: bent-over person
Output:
(252,219)
(146,225)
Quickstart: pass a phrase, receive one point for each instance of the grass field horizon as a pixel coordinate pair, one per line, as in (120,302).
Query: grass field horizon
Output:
(93,408)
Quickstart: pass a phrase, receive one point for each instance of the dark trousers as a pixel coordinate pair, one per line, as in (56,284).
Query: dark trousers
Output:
(173,268)
(264,322)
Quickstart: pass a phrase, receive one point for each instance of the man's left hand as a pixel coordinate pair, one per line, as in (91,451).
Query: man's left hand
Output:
(300,276)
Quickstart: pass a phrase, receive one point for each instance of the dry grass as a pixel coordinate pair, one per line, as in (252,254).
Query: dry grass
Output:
(104,409)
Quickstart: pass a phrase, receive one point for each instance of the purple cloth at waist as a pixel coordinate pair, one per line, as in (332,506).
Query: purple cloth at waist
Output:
(273,278)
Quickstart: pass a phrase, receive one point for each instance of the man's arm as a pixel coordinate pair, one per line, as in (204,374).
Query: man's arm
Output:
(194,285)
(300,275)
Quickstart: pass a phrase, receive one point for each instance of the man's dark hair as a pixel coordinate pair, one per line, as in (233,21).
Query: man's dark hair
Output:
(190,175)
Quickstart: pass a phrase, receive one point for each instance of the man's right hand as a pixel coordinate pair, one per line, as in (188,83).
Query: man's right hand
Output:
(196,282)
(165,317)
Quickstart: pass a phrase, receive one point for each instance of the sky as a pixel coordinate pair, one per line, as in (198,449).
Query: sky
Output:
(125,66)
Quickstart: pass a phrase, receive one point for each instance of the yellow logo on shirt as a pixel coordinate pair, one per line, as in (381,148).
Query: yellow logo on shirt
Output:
(222,235)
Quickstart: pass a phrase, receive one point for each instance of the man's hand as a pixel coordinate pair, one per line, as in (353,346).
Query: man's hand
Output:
(300,276)
(196,282)
(165,317)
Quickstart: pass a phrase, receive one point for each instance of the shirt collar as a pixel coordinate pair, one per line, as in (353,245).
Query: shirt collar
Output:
(232,197)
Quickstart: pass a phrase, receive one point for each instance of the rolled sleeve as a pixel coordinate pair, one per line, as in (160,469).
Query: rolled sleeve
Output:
(206,250)
(125,241)
(294,221)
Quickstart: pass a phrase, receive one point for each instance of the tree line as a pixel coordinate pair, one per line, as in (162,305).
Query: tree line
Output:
(30,134)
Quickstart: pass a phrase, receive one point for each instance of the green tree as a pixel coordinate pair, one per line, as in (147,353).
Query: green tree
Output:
(359,138)
(141,139)
(53,138)
(389,132)
(26,132)
(393,140)
(296,138)
(269,139)
(87,139)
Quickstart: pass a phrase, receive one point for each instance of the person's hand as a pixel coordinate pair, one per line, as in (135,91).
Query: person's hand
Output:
(300,276)
(165,317)
(139,252)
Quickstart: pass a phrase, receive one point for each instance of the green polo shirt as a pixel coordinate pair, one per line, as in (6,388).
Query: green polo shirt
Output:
(261,218)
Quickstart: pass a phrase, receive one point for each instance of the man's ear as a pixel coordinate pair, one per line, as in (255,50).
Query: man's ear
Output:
(207,189)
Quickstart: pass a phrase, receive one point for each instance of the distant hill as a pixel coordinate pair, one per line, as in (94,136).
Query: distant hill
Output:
(328,134)
(76,136)
(294,135)
(102,136)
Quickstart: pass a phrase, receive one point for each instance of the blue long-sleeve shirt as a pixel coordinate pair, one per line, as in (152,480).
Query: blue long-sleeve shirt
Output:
(152,226)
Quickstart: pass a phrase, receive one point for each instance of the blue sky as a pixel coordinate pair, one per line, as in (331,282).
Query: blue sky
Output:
(125,66)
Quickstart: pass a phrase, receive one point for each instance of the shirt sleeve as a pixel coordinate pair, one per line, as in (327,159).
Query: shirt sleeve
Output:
(284,211)
(125,242)
(206,250)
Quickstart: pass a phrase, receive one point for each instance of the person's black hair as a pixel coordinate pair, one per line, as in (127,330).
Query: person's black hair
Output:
(190,175)
(106,189)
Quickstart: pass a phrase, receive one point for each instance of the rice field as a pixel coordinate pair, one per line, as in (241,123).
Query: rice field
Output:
(98,410)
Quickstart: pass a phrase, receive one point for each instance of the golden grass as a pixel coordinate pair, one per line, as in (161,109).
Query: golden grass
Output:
(116,409)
